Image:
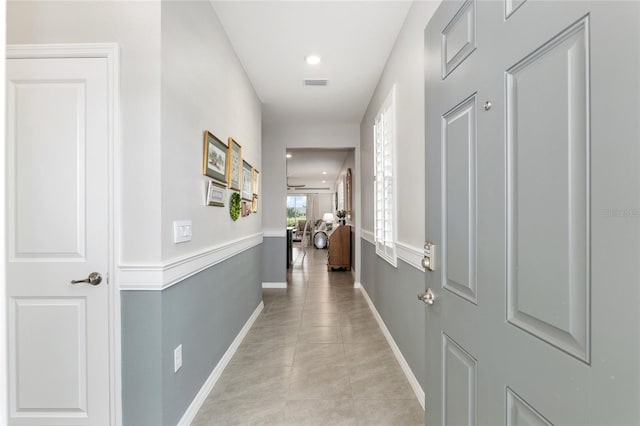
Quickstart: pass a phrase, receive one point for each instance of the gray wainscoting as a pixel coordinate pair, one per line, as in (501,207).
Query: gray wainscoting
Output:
(274,260)
(141,357)
(204,313)
(393,292)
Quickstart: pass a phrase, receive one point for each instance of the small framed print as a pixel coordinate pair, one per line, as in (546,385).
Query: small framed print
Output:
(214,163)
(246,209)
(215,194)
(255,182)
(254,204)
(247,172)
(234,165)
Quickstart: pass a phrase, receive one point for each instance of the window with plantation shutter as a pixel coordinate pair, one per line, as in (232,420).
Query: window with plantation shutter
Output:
(384,131)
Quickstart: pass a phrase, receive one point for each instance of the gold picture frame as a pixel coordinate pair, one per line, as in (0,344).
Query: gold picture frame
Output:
(254,204)
(255,182)
(349,193)
(214,158)
(247,173)
(234,165)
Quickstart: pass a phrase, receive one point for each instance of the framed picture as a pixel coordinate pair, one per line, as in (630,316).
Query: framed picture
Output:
(234,165)
(247,172)
(255,181)
(214,162)
(349,193)
(246,209)
(215,194)
(254,204)
(341,193)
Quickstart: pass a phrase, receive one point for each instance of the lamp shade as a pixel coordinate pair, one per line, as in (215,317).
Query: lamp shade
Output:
(327,217)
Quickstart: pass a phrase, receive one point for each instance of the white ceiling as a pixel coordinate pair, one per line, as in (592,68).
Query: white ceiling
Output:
(307,167)
(354,39)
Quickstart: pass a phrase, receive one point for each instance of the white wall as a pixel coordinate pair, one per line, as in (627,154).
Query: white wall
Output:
(136,27)
(203,87)
(179,77)
(349,163)
(405,68)
(3,301)
(276,140)
(325,203)
(393,289)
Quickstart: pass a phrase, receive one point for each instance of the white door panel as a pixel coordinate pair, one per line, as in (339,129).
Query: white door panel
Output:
(532,145)
(57,130)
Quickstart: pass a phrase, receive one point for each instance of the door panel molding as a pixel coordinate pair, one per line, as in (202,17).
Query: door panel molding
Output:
(510,7)
(70,315)
(520,412)
(60,234)
(458,192)
(548,224)
(459,371)
(459,38)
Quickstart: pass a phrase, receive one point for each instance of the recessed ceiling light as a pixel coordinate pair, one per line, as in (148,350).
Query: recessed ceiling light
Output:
(324,181)
(324,173)
(289,156)
(312,59)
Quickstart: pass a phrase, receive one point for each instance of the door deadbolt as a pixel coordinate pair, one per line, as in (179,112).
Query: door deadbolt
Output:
(428,261)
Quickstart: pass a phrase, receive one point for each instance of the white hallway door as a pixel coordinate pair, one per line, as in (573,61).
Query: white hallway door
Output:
(533,193)
(58,231)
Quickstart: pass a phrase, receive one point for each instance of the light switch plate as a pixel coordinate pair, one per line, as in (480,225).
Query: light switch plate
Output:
(181,231)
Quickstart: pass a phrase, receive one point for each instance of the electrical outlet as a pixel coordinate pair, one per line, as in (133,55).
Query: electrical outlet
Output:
(177,358)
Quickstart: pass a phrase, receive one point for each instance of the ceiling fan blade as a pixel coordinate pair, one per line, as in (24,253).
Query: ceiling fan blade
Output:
(294,186)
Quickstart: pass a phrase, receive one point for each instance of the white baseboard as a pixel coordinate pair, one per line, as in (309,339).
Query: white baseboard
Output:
(357,285)
(274,285)
(413,381)
(197,402)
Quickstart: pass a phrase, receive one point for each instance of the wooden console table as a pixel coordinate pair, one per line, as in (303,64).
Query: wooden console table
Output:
(340,248)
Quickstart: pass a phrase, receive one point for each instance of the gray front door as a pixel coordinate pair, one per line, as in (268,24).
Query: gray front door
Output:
(533,204)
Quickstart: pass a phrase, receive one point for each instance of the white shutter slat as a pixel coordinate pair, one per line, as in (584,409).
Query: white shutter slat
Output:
(384,181)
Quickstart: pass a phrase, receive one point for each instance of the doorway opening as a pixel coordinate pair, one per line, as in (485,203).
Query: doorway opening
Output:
(319,202)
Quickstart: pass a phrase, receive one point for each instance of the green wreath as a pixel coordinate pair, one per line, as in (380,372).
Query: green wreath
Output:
(234,206)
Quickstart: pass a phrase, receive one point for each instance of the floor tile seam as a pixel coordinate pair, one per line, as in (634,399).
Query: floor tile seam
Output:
(322,362)
(350,401)
(350,384)
(356,398)
(387,399)
(250,398)
(292,313)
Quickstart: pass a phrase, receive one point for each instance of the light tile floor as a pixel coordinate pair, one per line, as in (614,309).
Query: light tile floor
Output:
(315,356)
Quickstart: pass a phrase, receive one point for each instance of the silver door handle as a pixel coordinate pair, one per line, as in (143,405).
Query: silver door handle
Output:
(427,297)
(94,278)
